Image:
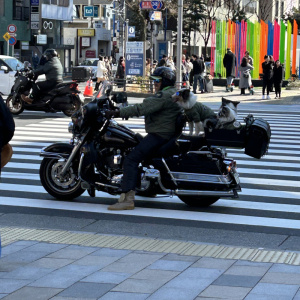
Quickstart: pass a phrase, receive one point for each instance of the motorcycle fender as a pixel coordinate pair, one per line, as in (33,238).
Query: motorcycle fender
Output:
(57,150)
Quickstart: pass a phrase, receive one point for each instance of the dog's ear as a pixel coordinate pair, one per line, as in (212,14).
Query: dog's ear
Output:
(226,102)
(185,94)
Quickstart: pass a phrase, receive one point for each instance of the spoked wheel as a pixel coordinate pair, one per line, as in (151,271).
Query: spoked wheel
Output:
(67,187)
(17,107)
(69,112)
(198,201)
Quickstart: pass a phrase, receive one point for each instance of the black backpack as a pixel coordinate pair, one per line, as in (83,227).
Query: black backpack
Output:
(7,124)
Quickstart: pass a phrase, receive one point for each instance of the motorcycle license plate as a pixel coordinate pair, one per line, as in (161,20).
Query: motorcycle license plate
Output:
(236,177)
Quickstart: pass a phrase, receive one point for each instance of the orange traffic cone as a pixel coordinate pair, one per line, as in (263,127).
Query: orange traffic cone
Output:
(89,90)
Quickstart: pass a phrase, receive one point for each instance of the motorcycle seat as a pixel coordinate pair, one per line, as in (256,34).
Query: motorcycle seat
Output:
(59,87)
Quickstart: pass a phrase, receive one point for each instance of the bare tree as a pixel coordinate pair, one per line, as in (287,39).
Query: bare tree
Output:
(212,7)
(238,10)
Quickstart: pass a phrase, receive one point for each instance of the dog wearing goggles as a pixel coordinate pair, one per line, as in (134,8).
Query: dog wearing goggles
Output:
(195,112)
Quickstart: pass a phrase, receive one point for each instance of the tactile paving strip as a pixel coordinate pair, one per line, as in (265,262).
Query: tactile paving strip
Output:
(13,234)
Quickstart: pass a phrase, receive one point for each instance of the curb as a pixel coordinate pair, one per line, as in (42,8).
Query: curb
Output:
(14,234)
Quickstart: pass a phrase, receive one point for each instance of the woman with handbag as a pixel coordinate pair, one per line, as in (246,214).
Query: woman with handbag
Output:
(245,78)
(101,72)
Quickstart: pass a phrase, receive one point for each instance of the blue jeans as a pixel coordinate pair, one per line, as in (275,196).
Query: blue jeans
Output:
(198,77)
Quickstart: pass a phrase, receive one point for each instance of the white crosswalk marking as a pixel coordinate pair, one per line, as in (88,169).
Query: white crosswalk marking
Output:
(269,199)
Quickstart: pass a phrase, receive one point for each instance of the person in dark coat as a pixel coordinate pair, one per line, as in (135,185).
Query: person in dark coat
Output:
(35,61)
(277,78)
(198,73)
(229,62)
(267,67)
(120,75)
(163,61)
(7,129)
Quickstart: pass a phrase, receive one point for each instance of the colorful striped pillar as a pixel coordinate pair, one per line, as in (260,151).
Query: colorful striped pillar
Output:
(288,51)
(224,46)
(270,38)
(295,33)
(276,45)
(256,50)
(282,42)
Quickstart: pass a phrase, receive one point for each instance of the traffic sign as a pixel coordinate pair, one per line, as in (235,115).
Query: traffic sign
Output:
(88,11)
(12,41)
(155,16)
(11,28)
(131,31)
(156,5)
(6,36)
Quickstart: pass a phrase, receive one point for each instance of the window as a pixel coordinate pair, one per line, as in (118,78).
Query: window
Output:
(277,8)
(20,10)
(2,7)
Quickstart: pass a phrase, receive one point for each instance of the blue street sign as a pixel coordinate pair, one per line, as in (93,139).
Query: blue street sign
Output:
(156,4)
(96,11)
(131,31)
(34,2)
(134,64)
(88,11)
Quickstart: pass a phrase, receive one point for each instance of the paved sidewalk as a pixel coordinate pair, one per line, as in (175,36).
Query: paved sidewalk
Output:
(62,265)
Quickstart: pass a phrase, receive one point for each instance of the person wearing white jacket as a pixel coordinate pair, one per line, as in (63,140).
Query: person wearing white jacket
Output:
(101,72)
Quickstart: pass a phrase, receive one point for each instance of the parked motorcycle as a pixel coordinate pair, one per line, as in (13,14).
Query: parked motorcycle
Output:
(192,168)
(63,97)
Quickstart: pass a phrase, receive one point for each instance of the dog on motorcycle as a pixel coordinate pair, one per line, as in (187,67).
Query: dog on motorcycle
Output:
(196,113)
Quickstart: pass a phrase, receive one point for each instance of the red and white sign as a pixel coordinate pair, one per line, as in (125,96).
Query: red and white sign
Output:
(11,28)
(90,53)
(146,5)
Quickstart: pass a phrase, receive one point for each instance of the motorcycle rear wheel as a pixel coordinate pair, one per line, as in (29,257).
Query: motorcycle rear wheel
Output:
(15,109)
(66,188)
(198,201)
(70,112)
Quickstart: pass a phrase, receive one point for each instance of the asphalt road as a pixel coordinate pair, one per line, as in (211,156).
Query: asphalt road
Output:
(266,215)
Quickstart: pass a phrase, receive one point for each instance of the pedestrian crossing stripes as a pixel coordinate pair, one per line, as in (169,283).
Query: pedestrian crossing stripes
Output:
(270,187)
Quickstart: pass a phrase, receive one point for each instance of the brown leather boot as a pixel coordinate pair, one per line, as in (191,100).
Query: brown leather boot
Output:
(125,202)
(26,99)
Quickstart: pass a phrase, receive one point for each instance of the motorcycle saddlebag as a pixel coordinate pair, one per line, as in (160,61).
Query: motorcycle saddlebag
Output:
(234,138)
(258,138)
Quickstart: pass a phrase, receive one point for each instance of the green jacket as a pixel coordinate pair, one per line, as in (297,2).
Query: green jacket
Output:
(199,112)
(159,110)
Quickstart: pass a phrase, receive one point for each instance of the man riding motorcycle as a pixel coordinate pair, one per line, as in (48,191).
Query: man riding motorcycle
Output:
(54,75)
(160,124)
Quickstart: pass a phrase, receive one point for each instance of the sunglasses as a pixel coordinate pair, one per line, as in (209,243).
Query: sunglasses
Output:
(157,80)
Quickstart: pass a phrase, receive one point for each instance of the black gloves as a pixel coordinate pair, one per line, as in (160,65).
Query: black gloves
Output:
(112,113)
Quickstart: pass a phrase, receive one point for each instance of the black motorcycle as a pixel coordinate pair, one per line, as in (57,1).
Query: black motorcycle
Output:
(192,168)
(63,97)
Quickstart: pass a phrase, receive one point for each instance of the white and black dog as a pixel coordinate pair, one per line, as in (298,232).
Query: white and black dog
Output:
(227,114)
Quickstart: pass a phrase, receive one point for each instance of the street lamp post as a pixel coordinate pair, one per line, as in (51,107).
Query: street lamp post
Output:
(179,44)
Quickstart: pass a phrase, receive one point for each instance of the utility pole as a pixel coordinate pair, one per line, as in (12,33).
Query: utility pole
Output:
(179,44)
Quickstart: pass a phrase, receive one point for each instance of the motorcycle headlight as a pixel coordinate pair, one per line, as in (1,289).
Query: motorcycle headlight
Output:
(71,127)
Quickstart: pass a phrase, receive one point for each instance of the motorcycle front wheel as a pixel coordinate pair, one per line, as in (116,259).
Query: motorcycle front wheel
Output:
(198,201)
(67,187)
(16,108)
(71,111)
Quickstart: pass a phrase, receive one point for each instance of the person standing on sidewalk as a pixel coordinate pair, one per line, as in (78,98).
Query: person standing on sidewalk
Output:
(120,75)
(277,78)
(267,67)
(249,58)
(229,62)
(101,72)
(245,80)
(198,70)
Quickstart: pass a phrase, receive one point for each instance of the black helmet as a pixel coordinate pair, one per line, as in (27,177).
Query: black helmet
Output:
(49,53)
(167,76)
